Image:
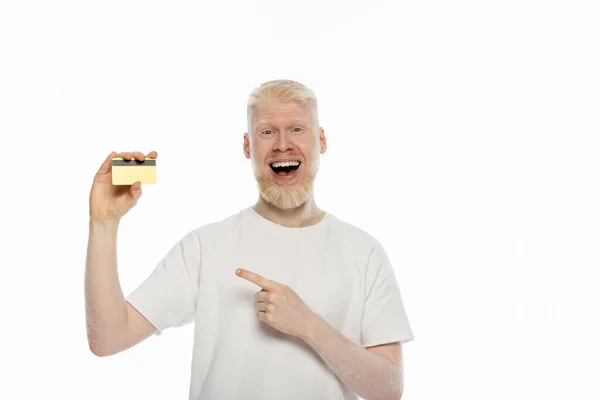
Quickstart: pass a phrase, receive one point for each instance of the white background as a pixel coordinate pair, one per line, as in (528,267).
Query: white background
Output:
(463,135)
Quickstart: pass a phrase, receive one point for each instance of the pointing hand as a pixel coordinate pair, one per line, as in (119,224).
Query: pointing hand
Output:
(279,306)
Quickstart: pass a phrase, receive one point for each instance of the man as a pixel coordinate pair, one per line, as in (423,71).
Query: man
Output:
(289,302)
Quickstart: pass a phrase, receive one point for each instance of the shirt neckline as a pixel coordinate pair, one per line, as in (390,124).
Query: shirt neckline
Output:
(273,226)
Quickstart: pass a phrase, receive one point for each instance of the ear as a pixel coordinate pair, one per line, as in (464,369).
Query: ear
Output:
(246,146)
(323,141)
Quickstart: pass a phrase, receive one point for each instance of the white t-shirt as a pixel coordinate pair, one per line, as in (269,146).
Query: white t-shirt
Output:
(339,271)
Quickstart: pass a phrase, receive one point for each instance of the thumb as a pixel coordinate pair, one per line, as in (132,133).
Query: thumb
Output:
(136,190)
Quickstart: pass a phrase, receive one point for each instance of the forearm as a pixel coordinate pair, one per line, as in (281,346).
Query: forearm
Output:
(369,375)
(106,313)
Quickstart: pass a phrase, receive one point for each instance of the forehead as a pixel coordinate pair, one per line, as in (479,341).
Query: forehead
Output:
(277,112)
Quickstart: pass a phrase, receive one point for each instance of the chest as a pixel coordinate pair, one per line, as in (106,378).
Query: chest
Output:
(328,280)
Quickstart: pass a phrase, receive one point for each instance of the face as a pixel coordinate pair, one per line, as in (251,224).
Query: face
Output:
(284,131)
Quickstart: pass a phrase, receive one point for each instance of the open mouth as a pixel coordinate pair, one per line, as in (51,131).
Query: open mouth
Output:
(286,168)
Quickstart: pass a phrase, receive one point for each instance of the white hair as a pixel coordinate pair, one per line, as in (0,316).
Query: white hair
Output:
(284,91)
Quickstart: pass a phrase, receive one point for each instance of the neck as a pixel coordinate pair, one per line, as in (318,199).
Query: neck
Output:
(305,215)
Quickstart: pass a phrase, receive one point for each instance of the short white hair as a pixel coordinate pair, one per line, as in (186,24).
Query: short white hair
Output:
(284,91)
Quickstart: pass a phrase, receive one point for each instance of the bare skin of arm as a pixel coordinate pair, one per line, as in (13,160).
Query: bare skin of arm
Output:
(113,325)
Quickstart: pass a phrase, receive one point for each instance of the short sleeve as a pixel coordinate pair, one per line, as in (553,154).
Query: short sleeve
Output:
(384,319)
(167,298)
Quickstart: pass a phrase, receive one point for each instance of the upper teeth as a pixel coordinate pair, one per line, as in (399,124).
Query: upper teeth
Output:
(285,164)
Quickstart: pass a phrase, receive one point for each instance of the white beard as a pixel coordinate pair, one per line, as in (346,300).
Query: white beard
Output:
(285,196)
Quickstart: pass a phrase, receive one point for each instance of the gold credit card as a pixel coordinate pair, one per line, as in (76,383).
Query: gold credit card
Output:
(127,172)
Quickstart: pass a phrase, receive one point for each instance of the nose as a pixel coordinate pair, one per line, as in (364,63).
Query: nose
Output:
(283,143)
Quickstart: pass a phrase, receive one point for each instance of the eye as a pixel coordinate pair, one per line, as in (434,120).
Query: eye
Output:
(268,130)
(299,129)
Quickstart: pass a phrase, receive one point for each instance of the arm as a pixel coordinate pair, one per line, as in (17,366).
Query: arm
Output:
(373,375)
(112,324)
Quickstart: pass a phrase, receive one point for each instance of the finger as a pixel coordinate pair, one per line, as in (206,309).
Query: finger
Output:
(257,279)
(262,316)
(152,154)
(126,155)
(138,155)
(262,306)
(263,295)
(136,189)
(105,167)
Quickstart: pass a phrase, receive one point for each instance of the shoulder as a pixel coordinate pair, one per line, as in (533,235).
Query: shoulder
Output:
(218,228)
(353,236)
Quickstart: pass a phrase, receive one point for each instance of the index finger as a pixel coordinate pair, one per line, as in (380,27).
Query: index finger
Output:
(256,279)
